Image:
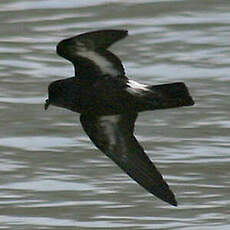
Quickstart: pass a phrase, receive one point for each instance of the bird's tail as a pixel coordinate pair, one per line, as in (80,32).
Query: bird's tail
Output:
(171,96)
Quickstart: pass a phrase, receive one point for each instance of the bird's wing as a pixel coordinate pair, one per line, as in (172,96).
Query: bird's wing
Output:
(88,52)
(113,135)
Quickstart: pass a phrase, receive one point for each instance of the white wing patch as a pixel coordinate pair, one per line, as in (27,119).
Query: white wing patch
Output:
(104,65)
(112,131)
(108,127)
(109,123)
(136,88)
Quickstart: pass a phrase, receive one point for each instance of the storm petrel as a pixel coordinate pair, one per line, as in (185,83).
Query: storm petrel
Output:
(108,103)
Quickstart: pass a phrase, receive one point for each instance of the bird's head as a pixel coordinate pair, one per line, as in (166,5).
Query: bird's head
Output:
(55,94)
(62,93)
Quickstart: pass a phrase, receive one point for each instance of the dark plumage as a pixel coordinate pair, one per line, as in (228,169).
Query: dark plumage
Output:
(109,104)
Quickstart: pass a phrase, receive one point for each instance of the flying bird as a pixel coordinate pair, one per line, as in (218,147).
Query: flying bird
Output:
(109,103)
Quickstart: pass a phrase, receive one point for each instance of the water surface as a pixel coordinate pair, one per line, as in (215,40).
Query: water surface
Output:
(52,177)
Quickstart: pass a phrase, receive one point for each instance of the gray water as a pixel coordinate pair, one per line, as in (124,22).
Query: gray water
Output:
(51,175)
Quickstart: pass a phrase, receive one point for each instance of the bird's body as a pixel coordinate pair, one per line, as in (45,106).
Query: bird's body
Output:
(110,96)
(109,104)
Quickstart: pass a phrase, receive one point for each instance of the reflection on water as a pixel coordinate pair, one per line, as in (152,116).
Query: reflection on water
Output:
(52,177)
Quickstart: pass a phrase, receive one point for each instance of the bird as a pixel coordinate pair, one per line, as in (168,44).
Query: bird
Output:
(109,104)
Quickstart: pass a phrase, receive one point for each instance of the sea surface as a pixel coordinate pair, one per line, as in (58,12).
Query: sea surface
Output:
(52,176)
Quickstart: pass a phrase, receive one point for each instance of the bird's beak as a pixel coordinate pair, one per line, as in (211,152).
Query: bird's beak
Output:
(47,103)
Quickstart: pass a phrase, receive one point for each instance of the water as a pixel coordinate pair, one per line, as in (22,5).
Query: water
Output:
(52,177)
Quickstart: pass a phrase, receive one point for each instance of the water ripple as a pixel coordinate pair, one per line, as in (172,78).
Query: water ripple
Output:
(52,177)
